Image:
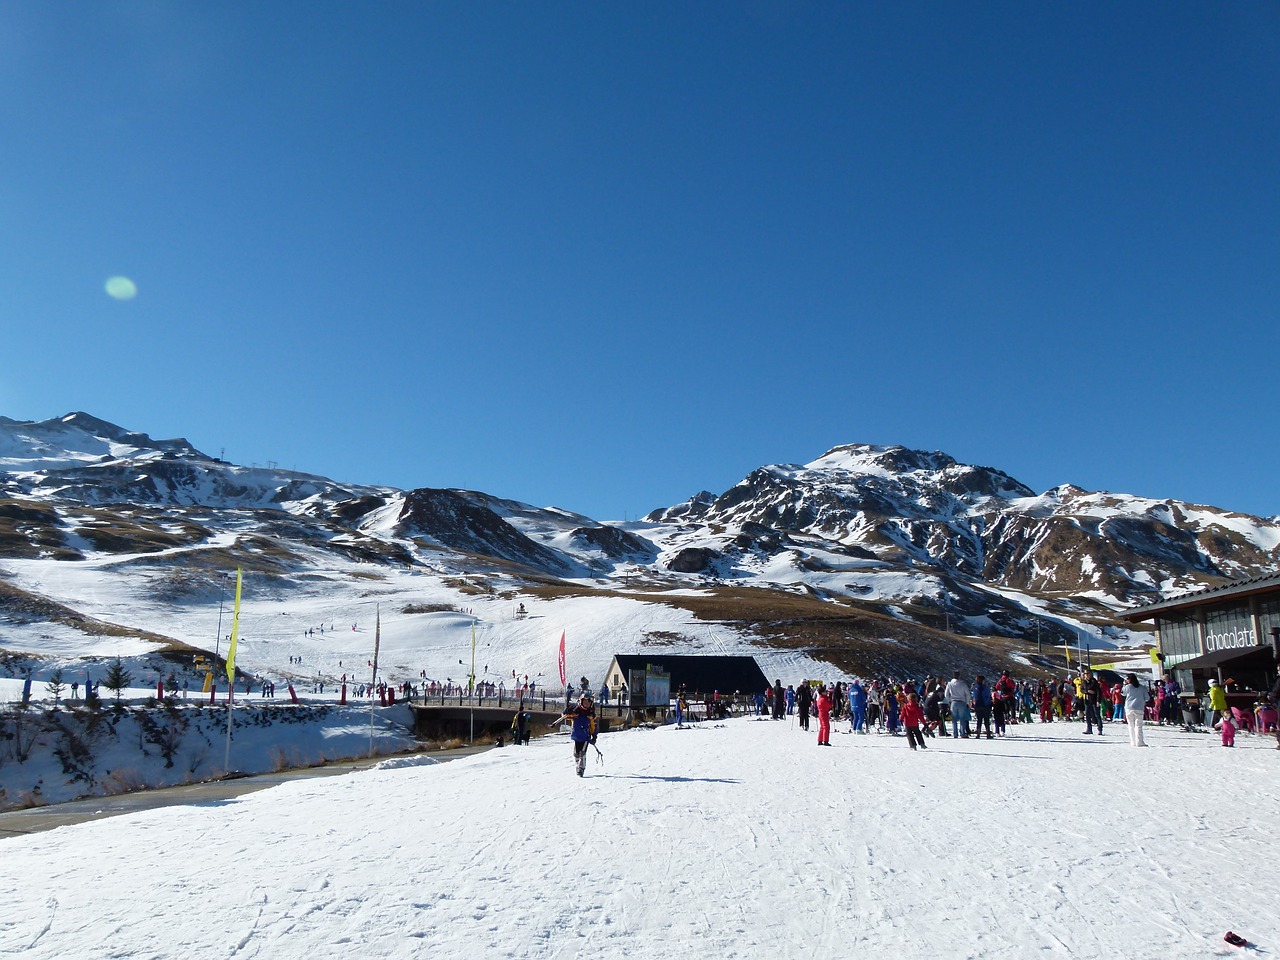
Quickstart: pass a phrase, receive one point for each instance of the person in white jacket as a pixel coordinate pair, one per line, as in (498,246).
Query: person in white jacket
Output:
(957,695)
(1135,704)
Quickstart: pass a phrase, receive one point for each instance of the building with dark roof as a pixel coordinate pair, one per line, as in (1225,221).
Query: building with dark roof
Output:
(727,675)
(1226,633)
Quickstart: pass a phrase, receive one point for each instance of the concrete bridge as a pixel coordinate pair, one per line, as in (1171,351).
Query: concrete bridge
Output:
(487,719)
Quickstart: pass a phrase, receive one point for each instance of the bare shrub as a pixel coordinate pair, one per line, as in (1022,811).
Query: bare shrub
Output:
(195,760)
(281,761)
(127,780)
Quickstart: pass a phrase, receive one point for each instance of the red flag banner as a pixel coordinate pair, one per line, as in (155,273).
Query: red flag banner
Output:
(563,676)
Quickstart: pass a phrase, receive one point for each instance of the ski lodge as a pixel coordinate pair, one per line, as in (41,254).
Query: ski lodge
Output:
(1229,633)
(725,675)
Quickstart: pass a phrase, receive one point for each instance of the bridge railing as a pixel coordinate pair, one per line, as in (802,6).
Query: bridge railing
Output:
(544,701)
(701,707)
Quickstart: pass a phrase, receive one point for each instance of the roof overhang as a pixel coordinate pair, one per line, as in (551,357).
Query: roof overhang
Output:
(1228,591)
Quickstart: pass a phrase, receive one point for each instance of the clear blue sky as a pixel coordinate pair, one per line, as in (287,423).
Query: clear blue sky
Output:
(605,255)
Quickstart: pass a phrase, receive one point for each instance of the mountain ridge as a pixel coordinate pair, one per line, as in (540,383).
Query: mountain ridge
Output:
(931,542)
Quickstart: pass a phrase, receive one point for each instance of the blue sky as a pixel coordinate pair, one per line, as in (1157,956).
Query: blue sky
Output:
(605,255)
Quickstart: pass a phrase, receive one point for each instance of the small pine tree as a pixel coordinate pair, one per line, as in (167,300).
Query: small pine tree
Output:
(116,680)
(55,685)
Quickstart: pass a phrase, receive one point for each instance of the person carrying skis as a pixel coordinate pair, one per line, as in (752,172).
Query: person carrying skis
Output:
(583,731)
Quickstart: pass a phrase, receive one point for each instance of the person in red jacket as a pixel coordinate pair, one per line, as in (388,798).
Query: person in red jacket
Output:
(824,716)
(912,717)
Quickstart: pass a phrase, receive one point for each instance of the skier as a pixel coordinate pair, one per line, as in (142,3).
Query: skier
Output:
(1217,703)
(1092,698)
(1004,702)
(583,732)
(874,698)
(892,695)
(858,708)
(779,700)
(1172,691)
(824,716)
(981,700)
(804,700)
(933,711)
(520,725)
(912,717)
(957,695)
(1135,706)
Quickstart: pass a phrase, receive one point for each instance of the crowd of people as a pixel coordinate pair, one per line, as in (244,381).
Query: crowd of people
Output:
(962,709)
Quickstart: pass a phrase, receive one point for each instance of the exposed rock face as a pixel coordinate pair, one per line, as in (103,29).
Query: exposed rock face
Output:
(613,543)
(455,520)
(693,560)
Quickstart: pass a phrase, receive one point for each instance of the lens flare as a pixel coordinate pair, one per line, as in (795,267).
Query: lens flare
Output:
(121,288)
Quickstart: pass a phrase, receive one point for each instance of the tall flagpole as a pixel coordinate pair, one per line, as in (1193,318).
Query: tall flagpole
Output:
(373,684)
(471,682)
(231,671)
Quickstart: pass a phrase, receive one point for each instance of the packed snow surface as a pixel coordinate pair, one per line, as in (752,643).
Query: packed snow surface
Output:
(740,839)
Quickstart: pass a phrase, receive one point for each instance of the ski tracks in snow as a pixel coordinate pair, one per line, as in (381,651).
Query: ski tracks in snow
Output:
(746,840)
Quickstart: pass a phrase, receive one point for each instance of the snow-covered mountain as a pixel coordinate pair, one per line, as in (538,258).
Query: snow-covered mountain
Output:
(868,557)
(924,511)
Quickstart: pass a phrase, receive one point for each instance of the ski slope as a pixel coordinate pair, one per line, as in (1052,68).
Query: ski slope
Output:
(739,840)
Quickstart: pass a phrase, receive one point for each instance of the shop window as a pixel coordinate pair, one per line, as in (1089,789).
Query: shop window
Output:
(1179,639)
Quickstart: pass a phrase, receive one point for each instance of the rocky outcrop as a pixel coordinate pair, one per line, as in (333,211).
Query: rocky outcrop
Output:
(454,520)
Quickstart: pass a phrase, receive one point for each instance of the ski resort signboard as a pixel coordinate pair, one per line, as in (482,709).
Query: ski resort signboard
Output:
(649,688)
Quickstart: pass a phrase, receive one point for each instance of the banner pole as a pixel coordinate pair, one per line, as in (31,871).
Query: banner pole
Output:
(373,683)
(231,671)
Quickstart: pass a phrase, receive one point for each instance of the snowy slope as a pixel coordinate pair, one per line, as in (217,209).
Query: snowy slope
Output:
(741,839)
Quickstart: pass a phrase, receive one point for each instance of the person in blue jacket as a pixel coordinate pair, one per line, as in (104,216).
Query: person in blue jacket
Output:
(981,700)
(857,708)
(583,732)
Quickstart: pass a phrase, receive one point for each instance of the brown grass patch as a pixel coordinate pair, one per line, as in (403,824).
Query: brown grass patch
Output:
(413,608)
(468,588)
(860,639)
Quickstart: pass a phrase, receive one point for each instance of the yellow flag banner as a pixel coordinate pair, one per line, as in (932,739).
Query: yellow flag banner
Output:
(235,635)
